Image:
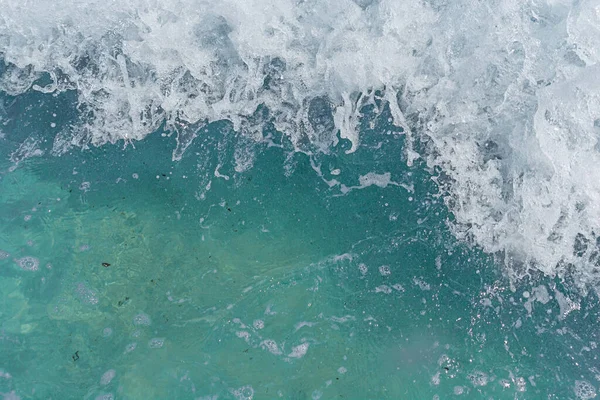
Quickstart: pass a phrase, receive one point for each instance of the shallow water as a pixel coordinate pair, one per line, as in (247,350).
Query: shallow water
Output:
(127,275)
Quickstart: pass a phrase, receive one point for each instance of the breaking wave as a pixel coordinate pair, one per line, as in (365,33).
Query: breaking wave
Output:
(502,97)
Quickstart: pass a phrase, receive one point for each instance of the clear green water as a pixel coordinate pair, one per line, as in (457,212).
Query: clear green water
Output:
(269,284)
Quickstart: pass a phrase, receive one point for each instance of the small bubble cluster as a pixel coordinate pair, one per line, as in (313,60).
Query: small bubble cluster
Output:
(85,186)
(142,319)
(243,393)
(258,324)
(156,343)
(584,390)
(384,270)
(363,269)
(271,346)
(28,263)
(478,378)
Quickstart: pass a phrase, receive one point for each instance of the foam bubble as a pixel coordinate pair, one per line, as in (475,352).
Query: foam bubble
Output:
(243,393)
(156,343)
(4,255)
(421,284)
(28,263)
(584,390)
(363,269)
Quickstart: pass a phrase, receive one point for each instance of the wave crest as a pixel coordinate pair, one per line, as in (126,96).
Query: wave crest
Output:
(504,94)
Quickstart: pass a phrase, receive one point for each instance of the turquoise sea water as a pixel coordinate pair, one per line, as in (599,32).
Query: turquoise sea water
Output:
(126,275)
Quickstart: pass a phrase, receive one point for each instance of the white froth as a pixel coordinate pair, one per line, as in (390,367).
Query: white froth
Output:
(187,61)
(271,346)
(28,263)
(107,377)
(299,351)
(508,109)
(303,324)
(565,304)
(373,179)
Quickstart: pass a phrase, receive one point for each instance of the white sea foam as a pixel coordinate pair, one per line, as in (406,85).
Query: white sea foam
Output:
(504,95)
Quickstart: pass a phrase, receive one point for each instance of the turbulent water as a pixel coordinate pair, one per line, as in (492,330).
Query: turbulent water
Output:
(299,199)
